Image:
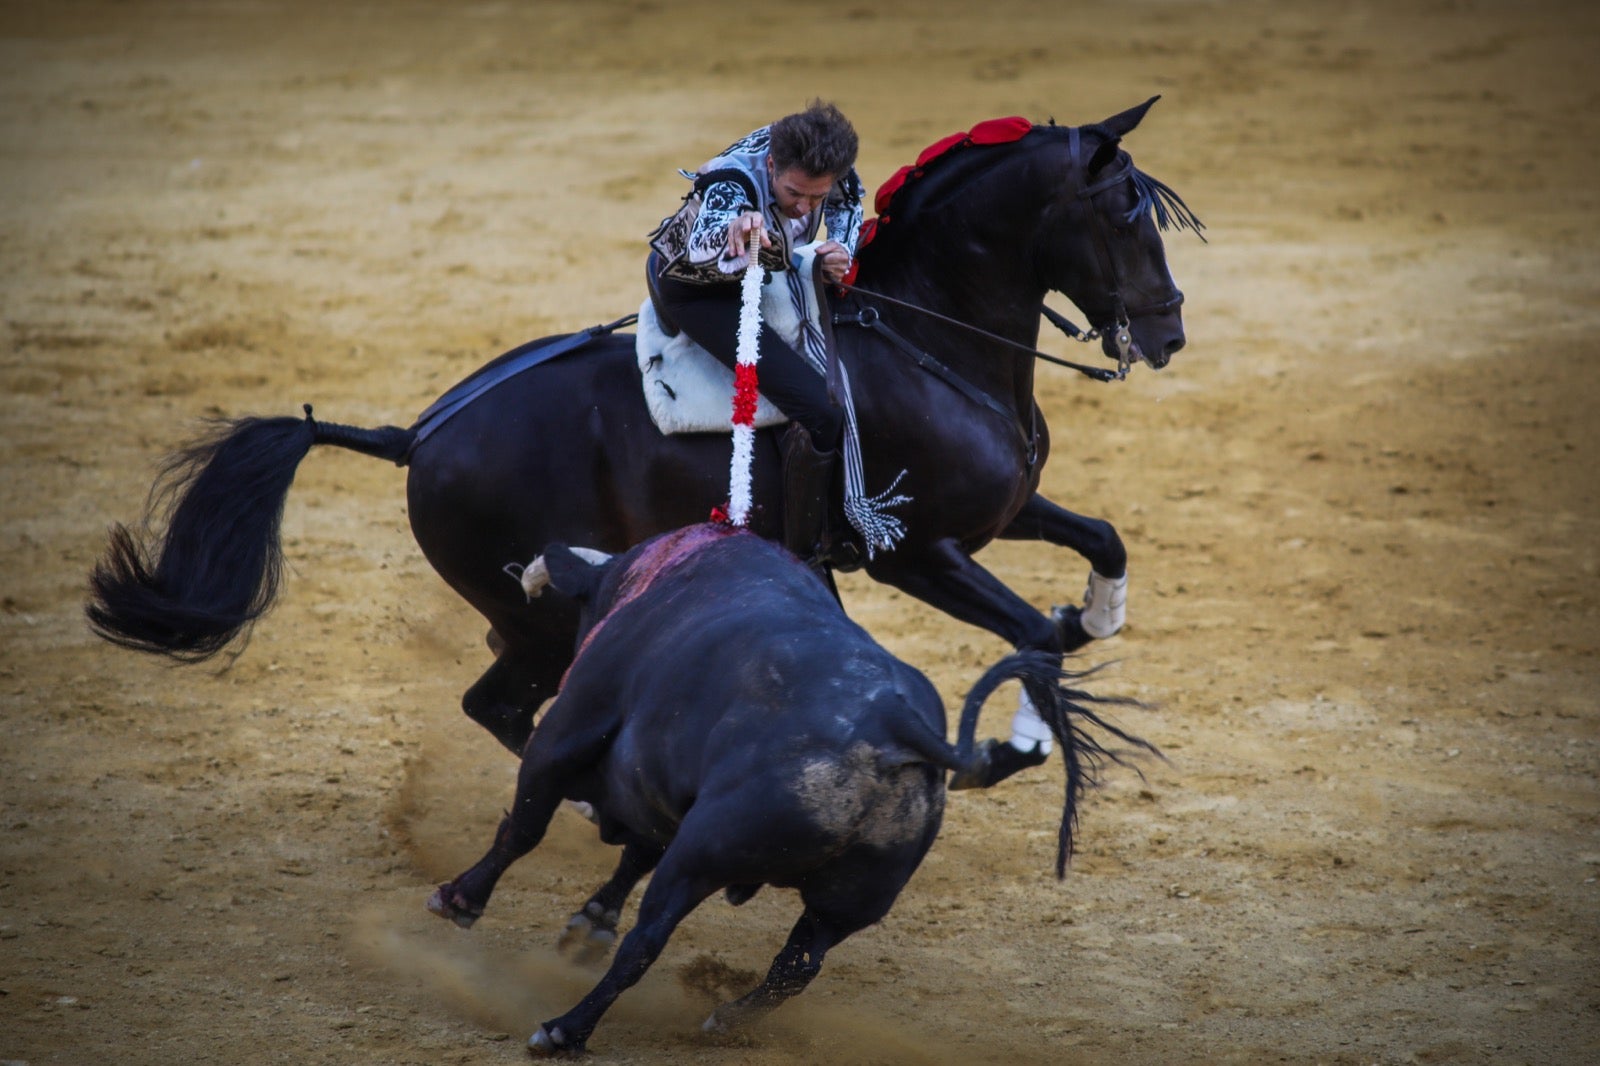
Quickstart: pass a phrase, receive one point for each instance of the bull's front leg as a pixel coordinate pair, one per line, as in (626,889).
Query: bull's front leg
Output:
(463,900)
(946,577)
(569,742)
(1104,607)
(541,784)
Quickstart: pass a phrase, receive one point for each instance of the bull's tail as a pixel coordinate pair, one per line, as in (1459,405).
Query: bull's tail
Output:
(919,741)
(202,580)
(1066,712)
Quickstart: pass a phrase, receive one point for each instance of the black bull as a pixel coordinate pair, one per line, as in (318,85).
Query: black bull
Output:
(732,728)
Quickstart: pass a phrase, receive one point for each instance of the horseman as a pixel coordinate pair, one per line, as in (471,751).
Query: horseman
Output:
(783,183)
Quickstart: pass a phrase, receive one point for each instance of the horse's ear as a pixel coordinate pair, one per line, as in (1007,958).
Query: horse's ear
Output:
(575,572)
(1123,124)
(1104,155)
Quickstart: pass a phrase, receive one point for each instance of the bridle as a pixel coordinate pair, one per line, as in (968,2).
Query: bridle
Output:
(1120,330)
(1122,337)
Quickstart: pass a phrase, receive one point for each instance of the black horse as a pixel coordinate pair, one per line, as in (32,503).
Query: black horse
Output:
(566,451)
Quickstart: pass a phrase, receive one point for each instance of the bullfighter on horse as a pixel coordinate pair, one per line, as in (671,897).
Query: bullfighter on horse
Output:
(782,182)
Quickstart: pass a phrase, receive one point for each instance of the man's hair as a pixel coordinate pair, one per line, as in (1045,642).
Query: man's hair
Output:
(818,140)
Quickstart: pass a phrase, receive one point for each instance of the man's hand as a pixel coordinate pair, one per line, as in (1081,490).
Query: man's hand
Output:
(835,260)
(739,233)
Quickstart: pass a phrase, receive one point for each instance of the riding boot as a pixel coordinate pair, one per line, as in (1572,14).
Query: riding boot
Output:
(814,526)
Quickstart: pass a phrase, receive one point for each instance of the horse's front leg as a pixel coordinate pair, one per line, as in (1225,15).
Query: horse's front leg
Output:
(946,577)
(1105,598)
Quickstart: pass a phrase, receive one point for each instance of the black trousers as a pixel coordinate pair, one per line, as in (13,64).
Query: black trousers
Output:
(709,314)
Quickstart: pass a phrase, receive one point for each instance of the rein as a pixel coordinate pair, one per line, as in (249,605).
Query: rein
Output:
(868,318)
(1098,373)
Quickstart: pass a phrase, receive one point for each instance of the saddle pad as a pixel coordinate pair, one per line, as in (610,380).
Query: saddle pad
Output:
(685,387)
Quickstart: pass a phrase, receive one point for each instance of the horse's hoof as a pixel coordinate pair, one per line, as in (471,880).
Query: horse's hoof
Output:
(714,1024)
(1069,625)
(588,938)
(976,772)
(993,762)
(547,1041)
(444,903)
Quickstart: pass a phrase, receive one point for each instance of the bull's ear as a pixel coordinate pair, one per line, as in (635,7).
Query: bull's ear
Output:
(1123,124)
(574,574)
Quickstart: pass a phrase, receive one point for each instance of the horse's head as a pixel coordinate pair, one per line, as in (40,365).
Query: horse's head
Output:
(1099,241)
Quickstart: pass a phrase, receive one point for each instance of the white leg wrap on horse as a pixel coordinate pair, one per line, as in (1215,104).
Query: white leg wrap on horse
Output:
(1105,605)
(1028,730)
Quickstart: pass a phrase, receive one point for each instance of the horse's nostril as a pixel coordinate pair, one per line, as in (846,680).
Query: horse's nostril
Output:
(1173,346)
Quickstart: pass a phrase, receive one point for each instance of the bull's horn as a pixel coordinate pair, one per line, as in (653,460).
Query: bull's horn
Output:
(536,575)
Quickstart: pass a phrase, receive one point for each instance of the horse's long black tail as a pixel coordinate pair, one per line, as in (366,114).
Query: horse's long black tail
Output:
(1064,710)
(188,589)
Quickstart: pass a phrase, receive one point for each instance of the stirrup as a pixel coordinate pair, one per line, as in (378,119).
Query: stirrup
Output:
(652,275)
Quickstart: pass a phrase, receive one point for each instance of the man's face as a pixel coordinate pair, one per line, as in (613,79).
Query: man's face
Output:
(796,192)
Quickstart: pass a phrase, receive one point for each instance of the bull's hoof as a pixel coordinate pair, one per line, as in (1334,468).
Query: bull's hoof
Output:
(589,935)
(547,1041)
(736,1015)
(993,762)
(724,1023)
(447,903)
(586,810)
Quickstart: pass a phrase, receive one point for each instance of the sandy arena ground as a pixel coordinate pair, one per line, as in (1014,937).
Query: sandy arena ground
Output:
(1361,507)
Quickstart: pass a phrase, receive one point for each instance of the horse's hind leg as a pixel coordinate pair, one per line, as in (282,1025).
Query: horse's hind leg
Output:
(947,577)
(591,932)
(505,698)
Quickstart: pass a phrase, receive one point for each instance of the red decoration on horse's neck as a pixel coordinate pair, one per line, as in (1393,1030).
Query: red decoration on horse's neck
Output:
(992,131)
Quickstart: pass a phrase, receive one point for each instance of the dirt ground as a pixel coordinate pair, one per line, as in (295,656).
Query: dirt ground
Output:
(1361,508)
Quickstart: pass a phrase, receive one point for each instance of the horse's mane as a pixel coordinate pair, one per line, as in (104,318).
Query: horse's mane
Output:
(1157,196)
(947,166)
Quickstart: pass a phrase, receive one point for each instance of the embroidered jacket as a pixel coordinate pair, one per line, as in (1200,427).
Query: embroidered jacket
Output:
(693,243)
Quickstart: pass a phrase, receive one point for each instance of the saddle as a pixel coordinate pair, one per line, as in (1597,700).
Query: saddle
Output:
(685,388)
